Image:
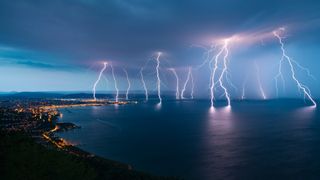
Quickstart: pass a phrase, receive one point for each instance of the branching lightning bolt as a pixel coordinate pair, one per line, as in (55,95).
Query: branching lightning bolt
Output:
(284,57)
(158,77)
(224,49)
(177,82)
(207,55)
(214,62)
(97,81)
(224,71)
(115,83)
(129,84)
(185,83)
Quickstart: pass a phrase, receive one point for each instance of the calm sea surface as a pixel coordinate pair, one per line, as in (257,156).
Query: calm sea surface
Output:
(252,140)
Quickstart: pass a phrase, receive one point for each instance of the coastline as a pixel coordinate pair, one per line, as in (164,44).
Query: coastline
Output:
(38,124)
(62,144)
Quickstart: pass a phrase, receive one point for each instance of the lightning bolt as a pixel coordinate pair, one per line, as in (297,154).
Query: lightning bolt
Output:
(115,83)
(290,62)
(224,71)
(207,54)
(243,92)
(214,61)
(129,84)
(192,84)
(177,82)
(185,83)
(279,75)
(243,95)
(97,81)
(158,77)
(259,81)
(144,84)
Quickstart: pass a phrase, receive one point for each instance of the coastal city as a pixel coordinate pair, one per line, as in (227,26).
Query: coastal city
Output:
(33,122)
(39,118)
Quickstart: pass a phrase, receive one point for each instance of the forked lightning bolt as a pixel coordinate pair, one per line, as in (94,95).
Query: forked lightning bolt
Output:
(290,62)
(214,63)
(224,71)
(97,81)
(224,49)
(186,83)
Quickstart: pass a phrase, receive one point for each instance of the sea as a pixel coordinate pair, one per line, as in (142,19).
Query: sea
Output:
(274,139)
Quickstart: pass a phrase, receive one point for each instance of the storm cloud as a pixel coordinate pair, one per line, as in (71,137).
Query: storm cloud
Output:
(130,30)
(81,33)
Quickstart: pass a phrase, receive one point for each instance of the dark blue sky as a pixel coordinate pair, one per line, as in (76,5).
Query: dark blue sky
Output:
(59,45)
